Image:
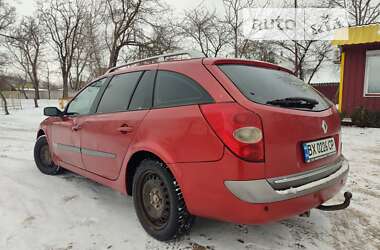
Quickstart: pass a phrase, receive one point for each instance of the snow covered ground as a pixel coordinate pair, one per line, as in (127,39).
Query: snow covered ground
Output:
(71,212)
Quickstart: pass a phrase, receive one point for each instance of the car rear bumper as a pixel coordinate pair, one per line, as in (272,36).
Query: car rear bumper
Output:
(288,187)
(207,194)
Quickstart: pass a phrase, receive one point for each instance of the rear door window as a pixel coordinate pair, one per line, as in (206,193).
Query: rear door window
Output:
(118,93)
(174,89)
(274,87)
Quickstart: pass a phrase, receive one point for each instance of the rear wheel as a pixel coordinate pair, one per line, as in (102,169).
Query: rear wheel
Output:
(159,203)
(42,157)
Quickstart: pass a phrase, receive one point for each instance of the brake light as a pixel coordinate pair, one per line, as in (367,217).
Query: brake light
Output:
(239,129)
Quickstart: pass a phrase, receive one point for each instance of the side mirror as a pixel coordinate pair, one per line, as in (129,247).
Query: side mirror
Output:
(52,111)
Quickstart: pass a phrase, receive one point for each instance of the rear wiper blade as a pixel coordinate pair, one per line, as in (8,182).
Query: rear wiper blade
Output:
(297,102)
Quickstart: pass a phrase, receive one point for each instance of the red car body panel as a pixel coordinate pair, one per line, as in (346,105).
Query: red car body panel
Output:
(179,126)
(63,134)
(200,162)
(100,128)
(212,199)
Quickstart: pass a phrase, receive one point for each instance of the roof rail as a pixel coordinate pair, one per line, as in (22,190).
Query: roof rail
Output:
(161,58)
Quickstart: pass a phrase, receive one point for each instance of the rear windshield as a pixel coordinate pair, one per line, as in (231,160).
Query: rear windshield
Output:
(274,87)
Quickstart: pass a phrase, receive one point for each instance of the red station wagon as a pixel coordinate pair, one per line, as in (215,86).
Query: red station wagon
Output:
(232,140)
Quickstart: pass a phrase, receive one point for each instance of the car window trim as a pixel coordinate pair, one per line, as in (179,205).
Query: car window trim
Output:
(99,96)
(181,105)
(212,100)
(154,89)
(142,72)
(107,79)
(152,92)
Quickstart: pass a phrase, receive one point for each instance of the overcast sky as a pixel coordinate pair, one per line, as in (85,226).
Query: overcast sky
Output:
(27,7)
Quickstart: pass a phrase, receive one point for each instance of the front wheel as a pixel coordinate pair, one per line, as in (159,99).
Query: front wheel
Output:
(42,157)
(159,203)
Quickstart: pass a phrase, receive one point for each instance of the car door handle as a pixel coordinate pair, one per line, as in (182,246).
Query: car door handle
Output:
(76,127)
(125,129)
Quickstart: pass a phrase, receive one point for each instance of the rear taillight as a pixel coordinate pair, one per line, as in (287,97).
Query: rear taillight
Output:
(239,129)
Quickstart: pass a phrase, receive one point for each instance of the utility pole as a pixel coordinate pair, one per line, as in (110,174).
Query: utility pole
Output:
(295,40)
(48,81)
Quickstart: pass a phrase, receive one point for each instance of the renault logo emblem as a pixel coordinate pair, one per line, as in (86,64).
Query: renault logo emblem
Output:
(324,126)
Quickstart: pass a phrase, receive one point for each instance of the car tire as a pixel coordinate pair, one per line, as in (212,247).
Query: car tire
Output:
(159,202)
(42,157)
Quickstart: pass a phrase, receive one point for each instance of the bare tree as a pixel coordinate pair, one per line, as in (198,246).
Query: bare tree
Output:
(23,82)
(122,20)
(321,54)
(96,46)
(81,60)
(361,12)
(307,55)
(87,59)
(233,18)
(48,81)
(163,38)
(7,18)
(310,55)
(4,100)
(26,49)
(259,50)
(205,29)
(64,21)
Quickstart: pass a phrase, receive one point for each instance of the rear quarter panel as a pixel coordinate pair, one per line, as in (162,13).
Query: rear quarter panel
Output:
(178,134)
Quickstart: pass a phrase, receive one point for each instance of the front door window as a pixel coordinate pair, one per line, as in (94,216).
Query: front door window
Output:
(82,103)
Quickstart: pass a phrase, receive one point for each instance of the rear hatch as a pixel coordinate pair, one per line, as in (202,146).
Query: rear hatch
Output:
(295,117)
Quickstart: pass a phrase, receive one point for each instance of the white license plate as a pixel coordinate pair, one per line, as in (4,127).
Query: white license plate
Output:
(316,150)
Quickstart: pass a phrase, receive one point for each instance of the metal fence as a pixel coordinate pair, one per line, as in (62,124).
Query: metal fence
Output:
(13,100)
(44,94)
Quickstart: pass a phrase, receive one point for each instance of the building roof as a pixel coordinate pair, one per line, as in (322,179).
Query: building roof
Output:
(359,35)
